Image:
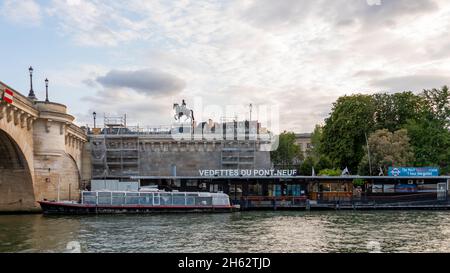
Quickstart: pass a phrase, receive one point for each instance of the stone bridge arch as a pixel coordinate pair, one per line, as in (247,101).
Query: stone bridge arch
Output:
(40,153)
(16,179)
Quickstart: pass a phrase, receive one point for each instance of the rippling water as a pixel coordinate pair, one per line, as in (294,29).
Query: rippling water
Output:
(393,231)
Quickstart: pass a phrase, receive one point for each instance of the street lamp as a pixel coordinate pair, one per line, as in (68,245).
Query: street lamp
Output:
(31,95)
(46,90)
(95,115)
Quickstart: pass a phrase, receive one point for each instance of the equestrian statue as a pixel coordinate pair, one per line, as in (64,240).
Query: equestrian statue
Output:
(182,110)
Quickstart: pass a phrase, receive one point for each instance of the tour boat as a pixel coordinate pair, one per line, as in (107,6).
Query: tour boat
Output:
(142,201)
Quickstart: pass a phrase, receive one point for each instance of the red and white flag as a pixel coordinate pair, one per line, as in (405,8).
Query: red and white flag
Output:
(8,96)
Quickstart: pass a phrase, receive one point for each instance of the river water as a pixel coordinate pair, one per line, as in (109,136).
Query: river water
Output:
(342,231)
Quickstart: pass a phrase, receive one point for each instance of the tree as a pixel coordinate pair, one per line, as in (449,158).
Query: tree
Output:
(431,141)
(425,116)
(429,132)
(314,158)
(288,153)
(392,111)
(439,104)
(316,142)
(306,166)
(344,131)
(387,149)
(324,162)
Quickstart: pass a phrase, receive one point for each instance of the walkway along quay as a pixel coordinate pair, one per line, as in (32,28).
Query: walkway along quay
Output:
(317,193)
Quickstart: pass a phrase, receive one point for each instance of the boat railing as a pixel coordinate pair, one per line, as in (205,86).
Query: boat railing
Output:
(120,198)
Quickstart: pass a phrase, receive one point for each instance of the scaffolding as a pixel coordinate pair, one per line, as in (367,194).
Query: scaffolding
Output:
(238,155)
(115,152)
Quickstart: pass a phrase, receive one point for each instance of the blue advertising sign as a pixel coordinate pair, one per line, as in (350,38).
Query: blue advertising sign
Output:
(411,171)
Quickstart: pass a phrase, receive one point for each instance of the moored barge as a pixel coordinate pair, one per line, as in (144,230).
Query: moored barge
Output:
(129,202)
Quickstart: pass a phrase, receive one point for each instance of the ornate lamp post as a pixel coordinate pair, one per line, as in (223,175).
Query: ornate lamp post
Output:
(31,95)
(46,90)
(95,115)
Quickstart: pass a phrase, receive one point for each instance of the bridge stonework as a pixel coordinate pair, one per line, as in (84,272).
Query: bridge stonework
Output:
(41,153)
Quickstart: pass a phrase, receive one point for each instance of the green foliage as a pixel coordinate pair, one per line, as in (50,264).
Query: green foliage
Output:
(358,182)
(314,157)
(386,149)
(330,172)
(429,132)
(392,111)
(306,166)
(316,142)
(344,131)
(288,153)
(324,162)
(438,102)
(426,118)
(431,141)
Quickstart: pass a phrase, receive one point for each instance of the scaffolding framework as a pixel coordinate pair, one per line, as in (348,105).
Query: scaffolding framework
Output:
(238,155)
(118,150)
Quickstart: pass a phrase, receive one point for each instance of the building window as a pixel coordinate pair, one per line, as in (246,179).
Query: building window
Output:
(191,183)
(255,189)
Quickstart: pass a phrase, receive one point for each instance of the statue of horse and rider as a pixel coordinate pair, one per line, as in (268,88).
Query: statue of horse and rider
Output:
(182,110)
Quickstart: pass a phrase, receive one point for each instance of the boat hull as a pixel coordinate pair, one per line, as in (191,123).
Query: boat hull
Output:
(69,208)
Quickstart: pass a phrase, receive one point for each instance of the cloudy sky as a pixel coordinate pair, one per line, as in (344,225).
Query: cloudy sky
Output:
(139,57)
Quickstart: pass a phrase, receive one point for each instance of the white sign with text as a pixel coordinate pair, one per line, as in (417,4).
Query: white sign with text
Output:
(248,172)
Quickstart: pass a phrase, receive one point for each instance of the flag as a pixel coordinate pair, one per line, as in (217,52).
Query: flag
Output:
(313,172)
(345,171)
(8,96)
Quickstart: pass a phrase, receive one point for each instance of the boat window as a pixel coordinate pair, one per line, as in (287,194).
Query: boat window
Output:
(89,198)
(89,193)
(132,198)
(190,200)
(118,198)
(165,199)
(178,199)
(221,201)
(146,199)
(203,201)
(104,198)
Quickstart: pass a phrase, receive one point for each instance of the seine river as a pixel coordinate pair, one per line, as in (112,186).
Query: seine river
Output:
(392,231)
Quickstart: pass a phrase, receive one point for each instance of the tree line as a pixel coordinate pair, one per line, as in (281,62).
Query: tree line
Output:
(369,133)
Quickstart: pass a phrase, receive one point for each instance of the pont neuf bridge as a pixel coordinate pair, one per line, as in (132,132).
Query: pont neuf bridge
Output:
(41,151)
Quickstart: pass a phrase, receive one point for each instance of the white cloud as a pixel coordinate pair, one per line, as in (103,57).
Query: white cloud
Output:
(413,82)
(21,12)
(152,82)
(96,23)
